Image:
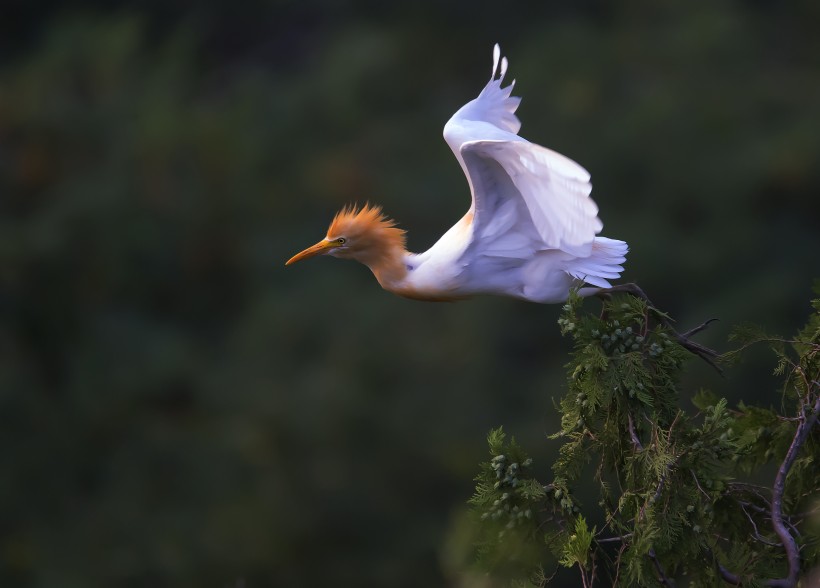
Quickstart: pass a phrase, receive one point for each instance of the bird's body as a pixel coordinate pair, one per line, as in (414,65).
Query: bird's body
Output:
(530,232)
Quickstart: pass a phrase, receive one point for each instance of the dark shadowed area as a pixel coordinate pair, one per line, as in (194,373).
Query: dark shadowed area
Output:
(179,409)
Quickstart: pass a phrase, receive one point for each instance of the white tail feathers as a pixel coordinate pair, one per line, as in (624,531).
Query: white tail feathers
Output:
(603,264)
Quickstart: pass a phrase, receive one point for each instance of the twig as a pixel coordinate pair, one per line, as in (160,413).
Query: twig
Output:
(699,328)
(614,539)
(697,483)
(659,489)
(632,434)
(652,500)
(757,534)
(706,354)
(662,577)
(548,580)
(618,564)
(586,582)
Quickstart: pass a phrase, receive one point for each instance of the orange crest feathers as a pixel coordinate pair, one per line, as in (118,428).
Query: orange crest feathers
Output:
(367,223)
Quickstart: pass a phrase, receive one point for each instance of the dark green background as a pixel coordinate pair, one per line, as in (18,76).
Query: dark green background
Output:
(179,409)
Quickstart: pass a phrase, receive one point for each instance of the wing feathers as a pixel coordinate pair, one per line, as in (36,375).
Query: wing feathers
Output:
(554,188)
(526,198)
(494,105)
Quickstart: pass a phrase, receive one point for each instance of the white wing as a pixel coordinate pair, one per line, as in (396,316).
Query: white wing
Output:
(524,196)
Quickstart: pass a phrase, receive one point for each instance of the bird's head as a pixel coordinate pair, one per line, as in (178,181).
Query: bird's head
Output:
(363,234)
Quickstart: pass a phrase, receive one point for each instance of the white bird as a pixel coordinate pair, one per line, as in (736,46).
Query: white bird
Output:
(530,232)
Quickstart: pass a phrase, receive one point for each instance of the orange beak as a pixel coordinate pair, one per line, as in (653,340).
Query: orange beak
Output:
(321,247)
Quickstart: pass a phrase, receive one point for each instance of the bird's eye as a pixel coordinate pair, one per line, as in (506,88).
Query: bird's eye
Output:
(341,240)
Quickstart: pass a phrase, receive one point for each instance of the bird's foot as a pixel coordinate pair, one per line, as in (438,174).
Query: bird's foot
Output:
(683,339)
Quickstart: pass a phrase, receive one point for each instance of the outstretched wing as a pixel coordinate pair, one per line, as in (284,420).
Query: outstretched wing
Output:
(524,195)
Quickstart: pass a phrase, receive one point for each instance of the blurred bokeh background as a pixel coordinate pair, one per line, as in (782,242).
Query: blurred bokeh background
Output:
(178,409)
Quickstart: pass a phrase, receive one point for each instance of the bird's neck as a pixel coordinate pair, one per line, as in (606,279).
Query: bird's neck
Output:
(387,262)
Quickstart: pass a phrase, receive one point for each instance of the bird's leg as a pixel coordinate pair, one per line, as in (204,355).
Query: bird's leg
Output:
(683,339)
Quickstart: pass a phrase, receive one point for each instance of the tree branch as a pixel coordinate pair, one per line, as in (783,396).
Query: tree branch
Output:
(778,522)
(779,487)
(726,575)
(735,580)
(706,354)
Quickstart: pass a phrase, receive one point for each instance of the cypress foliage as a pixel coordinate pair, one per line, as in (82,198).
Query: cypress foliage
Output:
(675,499)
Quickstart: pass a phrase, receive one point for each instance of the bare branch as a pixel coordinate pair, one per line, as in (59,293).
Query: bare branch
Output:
(697,483)
(757,534)
(727,576)
(735,580)
(621,538)
(705,324)
(662,577)
(779,487)
(632,434)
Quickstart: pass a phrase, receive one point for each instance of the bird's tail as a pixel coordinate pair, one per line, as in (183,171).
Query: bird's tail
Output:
(603,264)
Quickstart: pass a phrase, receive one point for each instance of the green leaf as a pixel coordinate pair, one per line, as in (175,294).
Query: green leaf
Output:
(495,439)
(576,550)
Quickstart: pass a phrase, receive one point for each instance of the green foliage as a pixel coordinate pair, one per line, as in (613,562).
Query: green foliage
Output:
(505,500)
(679,491)
(576,550)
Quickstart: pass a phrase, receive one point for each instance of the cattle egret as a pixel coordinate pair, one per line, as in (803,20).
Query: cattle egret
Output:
(530,232)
